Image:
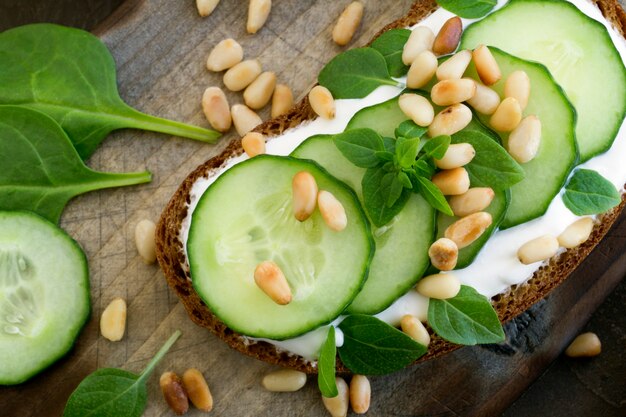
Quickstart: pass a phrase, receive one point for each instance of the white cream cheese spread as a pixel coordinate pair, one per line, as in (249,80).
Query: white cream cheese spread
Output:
(496,267)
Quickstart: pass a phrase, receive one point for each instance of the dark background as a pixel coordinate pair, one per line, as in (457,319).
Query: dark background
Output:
(569,387)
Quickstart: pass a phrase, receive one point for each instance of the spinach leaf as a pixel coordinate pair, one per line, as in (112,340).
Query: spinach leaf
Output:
(360,146)
(69,75)
(588,192)
(466,319)
(326,366)
(390,44)
(376,185)
(436,147)
(355,73)
(41,170)
(492,166)
(372,347)
(406,151)
(469,9)
(409,129)
(113,392)
(432,194)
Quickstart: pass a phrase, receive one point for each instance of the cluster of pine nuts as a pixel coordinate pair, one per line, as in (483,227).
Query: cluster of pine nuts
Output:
(452,90)
(259,88)
(258,12)
(357,395)
(192,387)
(546,246)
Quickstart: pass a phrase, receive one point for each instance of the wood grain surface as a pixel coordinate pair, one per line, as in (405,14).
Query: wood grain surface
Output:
(160,47)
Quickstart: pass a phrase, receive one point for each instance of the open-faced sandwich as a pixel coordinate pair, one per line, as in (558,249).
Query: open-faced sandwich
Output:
(459,170)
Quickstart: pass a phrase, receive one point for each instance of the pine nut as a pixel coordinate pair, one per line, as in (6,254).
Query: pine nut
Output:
(455,67)
(271,280)
(486,65)
(524,140)
(197,389)
(244,119)
(517,85)
(332,211)
(174,393)
(507,116)
(284,380)
(474,200)
(322,102)
(443,254)
(452,181)
(415,329)
(538,249)
(338,406)
(360,394)
(259,93)
(417,108)
(145,240)
(421,40)
(348,23)
(448,37)
(206,7)
(253,143)
(467,229)
(576,233)
(457,155)
(585,345)
(241,75)
(450,120)
(304,190)
(113,320)
(422,70)
(282,100)
(224,55)
(216,109)
(258,12)
(448,92)
(439,286)
(485,101)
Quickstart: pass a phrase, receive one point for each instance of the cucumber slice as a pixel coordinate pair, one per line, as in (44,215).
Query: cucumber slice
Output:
(245,218)
(579,53)
(547,172)
(44,295)
(401,246)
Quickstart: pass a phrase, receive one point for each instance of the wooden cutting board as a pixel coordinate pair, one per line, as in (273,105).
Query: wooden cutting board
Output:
(160,47)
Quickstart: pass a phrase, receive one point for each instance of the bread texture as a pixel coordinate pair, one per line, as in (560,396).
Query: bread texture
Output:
(508,305)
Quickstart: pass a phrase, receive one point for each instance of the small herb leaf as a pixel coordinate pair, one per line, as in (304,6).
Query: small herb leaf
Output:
(395,190)
(405,180)
(433,195)
(390,44)
(376,185)
(355,73)
(408,129)
(588,192)
(384,156)
(390,144)
(468,9)
(406,151)
(423,168)
(360,146)
(466,319)
(436,147)
(326,366)
(372,347)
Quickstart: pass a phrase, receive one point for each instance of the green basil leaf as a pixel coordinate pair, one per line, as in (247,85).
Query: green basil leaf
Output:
(113,392)
(355,73)
(326,366)
(466,319)
(41,170)
(468,9)
(359,146)
(390,144)
(424,169)
(375,185)
(390,44)
(69,75)
(384,156)
(492,166)
(405,180)
(373,347)
(408,129)
(395,190)
(406,151)
(436,147)
(433,195)
(588,192)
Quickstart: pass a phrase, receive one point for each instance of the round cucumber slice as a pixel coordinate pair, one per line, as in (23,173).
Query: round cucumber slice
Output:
(245,218)
(44,295)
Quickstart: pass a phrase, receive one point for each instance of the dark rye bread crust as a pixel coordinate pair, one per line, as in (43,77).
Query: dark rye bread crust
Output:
(508,305)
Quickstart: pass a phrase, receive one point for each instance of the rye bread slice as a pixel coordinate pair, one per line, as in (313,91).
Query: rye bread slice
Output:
(508,305)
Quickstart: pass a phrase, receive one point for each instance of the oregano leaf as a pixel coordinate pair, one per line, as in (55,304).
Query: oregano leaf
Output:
(360,146)
(390,44)
(588,192)
(326,366)
(468,9)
